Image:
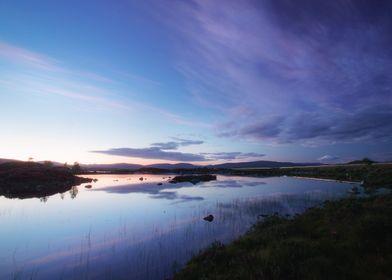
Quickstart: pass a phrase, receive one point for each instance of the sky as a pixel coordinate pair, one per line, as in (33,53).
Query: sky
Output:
(195,81)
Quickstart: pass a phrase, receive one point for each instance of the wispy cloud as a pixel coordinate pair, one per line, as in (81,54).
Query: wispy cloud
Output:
(152,153)
(174,145)
(289,72)
(328,158)
(161,150)
(42,75)
(232,155)
(24,56)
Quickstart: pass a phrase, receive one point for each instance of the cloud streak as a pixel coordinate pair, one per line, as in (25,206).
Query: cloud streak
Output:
(165,151)
(24,56)
(161,150)
(36,73)
(152,153)
(174,145)
(328,158)
(232,155)
(308,72)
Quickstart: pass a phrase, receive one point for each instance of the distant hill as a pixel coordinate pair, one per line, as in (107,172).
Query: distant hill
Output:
(250,164)
(170,166)
(260,164)
(118,166)
(362,161)
(3,160)
(173,166)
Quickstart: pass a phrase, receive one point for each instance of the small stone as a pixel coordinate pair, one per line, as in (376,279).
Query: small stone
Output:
(209,218)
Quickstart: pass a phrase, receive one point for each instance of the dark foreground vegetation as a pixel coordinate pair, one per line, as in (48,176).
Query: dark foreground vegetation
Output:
(31,179)
(347,239)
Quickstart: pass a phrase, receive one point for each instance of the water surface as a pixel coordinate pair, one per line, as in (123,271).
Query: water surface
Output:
(124,228)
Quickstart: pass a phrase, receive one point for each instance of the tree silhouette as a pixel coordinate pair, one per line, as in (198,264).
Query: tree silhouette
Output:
(76,168)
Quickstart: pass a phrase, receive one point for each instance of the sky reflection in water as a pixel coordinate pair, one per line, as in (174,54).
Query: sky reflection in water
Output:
(125,228)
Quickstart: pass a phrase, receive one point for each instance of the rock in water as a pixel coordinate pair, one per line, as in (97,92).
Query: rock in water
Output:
(209,218)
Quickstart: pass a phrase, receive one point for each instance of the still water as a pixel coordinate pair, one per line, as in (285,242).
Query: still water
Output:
(124,228)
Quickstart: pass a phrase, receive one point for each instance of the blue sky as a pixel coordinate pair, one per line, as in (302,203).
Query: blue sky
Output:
(196,81)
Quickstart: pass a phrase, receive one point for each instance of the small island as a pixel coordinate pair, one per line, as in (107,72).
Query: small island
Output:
(31,179)
(194,179)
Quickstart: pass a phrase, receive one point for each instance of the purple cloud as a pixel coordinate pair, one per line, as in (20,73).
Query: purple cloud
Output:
(158,152)
(231,155)
(174,145)
(166,145)
(312,72)
(152,153)
(164,151)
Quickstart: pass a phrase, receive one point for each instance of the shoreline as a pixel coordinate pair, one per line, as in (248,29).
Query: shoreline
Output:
(28,180)
(328,180)
(344,239)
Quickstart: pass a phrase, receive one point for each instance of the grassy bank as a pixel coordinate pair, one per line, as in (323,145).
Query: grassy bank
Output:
(376,175)
(347,239)
(372,176)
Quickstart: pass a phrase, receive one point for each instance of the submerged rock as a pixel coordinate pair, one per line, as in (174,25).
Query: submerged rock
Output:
(159,184)
(88,186)
(209,218)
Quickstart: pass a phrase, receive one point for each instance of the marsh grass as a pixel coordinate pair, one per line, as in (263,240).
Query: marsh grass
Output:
(347,239)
